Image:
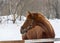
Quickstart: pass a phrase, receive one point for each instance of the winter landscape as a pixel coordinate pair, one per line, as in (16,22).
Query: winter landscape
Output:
(13,15)
(10,31)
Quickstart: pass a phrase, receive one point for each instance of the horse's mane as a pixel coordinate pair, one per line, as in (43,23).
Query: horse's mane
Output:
(42,19)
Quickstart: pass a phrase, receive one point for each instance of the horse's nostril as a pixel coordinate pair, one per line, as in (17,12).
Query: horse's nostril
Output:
(22,30)
(21,27)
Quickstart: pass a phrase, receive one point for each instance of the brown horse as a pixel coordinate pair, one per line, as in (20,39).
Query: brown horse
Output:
(37,26)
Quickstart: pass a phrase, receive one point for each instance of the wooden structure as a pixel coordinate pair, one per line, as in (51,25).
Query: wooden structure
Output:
(19,41)
(30,41)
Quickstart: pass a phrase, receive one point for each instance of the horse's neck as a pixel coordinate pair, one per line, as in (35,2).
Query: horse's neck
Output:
(48,26)
(34,24)
(42,26)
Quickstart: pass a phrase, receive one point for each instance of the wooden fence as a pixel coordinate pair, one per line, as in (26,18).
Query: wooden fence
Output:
(32,41)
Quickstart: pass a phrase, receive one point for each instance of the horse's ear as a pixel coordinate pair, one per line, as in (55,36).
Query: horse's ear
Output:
(29,12)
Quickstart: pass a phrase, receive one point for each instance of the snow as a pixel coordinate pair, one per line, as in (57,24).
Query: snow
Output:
(10,31)
(56,25)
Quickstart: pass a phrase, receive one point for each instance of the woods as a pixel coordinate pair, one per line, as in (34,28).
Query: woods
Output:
(50,8)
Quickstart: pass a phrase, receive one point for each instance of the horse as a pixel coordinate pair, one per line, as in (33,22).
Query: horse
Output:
(37,26)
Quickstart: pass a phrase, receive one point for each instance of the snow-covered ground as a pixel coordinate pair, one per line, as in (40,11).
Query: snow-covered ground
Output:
(56,25)
(10,31)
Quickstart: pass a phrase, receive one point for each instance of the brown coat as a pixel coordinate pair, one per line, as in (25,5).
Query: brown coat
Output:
(41,27)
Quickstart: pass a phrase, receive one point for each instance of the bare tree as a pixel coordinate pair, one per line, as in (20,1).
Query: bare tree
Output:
(17,4)
(48,9)
(52,9)
(22,4)
(1,3)
(55,7)
(13,10)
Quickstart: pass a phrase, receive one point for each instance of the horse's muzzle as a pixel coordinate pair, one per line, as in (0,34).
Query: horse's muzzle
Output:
(22,30)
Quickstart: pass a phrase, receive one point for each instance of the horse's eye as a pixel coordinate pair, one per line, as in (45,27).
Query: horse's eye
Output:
(30,25)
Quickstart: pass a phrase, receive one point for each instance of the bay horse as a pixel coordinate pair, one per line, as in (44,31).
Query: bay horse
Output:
(37,26)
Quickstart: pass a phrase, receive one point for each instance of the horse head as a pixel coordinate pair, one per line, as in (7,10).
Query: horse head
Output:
(34,19)
(31,18)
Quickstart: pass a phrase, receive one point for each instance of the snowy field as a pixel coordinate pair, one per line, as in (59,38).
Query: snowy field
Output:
(56,25)
(10,31)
